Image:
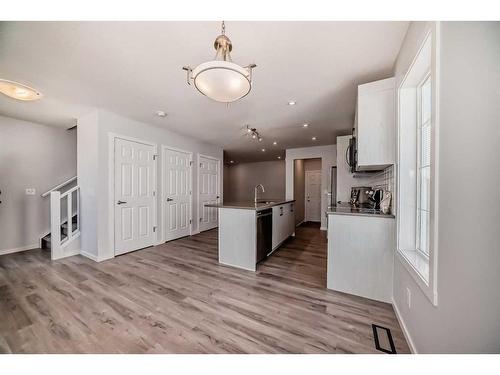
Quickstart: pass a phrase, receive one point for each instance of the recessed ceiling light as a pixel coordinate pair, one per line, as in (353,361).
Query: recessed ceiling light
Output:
(279,157)
(18,91)
(232,161)
(313,138)
(263,150)
(260,139)
(275,143)
(305,125)
(161,114)
(292,102)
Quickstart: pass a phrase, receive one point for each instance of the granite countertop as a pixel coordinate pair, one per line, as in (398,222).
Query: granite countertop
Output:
(347,209)
(250,205)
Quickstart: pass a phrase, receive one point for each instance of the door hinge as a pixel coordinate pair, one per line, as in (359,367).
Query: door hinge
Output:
(200,218)
(154,157)
(154,193)
(154,228)
(201,165)
(190,221)
(191,162)
(190,192)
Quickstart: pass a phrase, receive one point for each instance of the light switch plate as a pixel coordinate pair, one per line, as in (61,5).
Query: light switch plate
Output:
(30,191)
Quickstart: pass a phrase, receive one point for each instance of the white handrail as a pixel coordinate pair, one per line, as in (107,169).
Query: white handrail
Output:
(69,191)
(59,186)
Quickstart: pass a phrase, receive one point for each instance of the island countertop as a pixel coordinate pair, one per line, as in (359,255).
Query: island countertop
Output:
(347,209)
(250,205)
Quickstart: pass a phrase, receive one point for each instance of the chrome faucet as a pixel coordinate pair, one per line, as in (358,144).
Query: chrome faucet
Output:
(256,190)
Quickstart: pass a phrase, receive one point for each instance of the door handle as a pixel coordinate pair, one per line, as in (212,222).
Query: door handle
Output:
(121,202)
(170,199)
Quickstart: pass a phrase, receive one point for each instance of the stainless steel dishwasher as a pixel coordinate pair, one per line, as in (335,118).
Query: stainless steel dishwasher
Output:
(264,233)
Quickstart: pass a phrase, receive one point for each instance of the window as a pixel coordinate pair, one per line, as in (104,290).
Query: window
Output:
(424,105)
(418,122)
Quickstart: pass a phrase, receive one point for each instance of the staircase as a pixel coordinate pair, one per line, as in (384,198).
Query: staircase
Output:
(46,241)
(64,237)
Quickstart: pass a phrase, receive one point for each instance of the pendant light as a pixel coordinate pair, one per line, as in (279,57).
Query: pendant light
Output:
(221,79)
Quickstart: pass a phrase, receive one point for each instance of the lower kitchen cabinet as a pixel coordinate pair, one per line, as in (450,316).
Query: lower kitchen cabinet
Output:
(283,223)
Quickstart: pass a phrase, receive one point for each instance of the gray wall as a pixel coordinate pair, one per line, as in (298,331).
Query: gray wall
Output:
(242,178)
(466,319)
(31,156)
(299,190)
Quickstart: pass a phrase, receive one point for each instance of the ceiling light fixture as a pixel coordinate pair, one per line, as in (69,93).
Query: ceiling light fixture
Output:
(313,138)
(232,161)
(19,91)
(305,125)
(275,143)
(279,157)
(221,79)
(263,150)
(161,114)
(254,133)
(292,102)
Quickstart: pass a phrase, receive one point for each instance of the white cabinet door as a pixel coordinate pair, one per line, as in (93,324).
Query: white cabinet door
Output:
(375,127)
(134,200)
(276,226)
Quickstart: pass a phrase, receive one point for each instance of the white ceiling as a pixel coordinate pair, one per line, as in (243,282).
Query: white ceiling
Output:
(135,69)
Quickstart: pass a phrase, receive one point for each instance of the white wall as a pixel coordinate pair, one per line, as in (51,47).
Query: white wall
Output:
(95,145)
(31,156)
(328,159)
(241,180)
(466,319)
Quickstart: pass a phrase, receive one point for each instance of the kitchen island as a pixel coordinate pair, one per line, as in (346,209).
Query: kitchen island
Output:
(249,231)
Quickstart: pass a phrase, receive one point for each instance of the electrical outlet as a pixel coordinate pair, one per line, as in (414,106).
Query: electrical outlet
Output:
(30,191)
(408,298)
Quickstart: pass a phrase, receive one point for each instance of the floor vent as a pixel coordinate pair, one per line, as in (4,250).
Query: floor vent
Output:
(383,339)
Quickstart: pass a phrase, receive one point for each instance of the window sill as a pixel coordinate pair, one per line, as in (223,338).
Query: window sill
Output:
(418,267)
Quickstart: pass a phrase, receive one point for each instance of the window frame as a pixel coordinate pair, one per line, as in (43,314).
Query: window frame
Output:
(422,269)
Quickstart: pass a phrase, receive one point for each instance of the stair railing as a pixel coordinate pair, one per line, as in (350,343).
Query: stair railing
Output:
(57,187)
(63,207)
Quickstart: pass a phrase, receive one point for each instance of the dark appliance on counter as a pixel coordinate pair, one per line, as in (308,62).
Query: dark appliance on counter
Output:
(360,195)
(264,233)
(375,197)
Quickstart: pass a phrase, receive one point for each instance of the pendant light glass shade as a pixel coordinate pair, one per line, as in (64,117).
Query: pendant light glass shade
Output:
(221,79)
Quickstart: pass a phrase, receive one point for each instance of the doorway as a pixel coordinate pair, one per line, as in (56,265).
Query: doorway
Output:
(176,193)
(134,186)
(208,191)
(313,195)
(307,190)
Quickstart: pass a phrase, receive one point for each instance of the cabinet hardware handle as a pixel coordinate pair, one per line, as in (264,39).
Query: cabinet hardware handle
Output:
(121,202)
(170,199)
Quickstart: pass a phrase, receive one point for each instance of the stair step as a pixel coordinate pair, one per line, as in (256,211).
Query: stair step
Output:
(46,241)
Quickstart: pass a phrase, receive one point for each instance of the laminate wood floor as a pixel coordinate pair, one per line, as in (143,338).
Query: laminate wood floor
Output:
(176,298)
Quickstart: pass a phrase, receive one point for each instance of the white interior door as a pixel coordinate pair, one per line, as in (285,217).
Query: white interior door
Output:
(313,195)
(134,195)
(176,194)
(208,187)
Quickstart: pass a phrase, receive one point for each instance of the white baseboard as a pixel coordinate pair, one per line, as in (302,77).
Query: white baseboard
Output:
(403,327)
(19,249)
(93,257)
(322,228)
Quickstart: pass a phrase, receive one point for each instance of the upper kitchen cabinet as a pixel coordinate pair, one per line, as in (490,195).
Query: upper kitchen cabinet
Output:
(375,125)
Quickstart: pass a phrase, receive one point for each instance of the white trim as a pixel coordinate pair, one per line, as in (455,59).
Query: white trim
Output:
(94,257)
(19,249)
(322,228)
(219,185)
(111,188)
(162,165)
(402,324)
